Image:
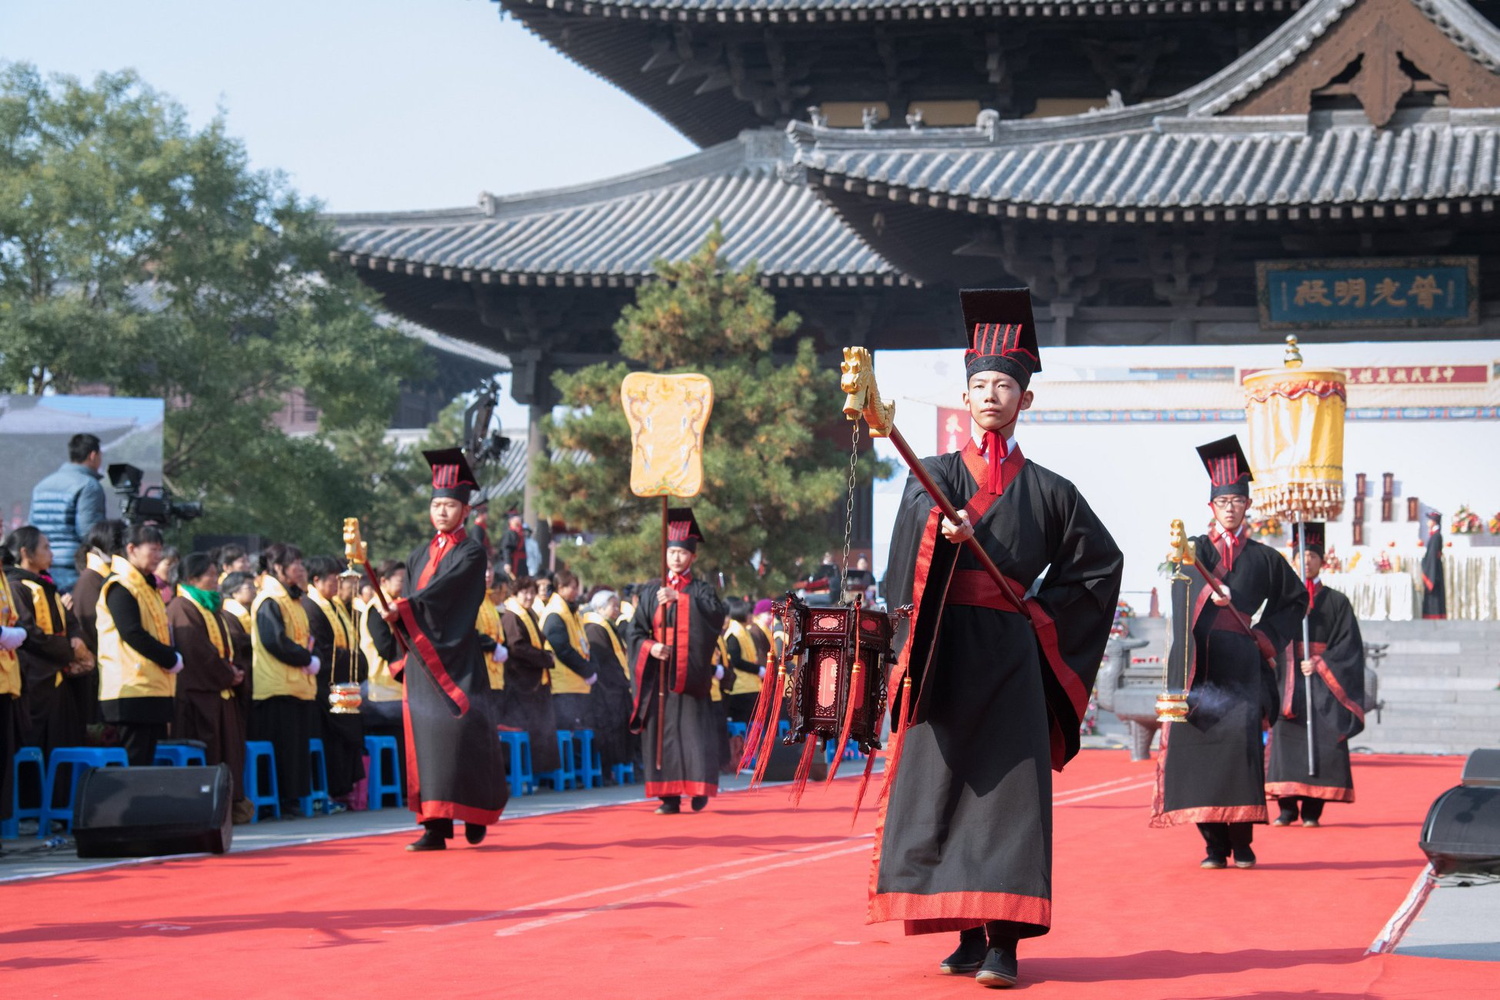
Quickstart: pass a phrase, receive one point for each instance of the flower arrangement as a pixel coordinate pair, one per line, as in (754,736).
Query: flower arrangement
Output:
(1465,522)
(1494,524)
(1266,526)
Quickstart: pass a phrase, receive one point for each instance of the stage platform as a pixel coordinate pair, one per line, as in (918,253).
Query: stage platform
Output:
(751,897)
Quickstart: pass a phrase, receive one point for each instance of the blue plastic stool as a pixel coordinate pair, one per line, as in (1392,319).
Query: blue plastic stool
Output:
(587,765)
(261,793)
(385,771)
(564,776)
(624,774)
(179,755)
(740,729)
(317,764)
(522,781)
(851,751)
(78,761)
(11,828)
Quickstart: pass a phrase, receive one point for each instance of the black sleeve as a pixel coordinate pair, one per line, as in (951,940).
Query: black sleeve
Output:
(382,636)
(320,630)
(557,634)
(736,657)
(127,615)
(273,636)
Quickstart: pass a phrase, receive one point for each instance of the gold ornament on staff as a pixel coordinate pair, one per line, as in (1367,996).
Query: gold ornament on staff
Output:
(667,415)
(1171,704)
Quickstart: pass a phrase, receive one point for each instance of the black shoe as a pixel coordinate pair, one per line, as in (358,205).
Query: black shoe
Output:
(669,807)
(1244,858)
(1213,861)
(969,955)
(698,802)
(429,841)
(1000,968)
(474,833)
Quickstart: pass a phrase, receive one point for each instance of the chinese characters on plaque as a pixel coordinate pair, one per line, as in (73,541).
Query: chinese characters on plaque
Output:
(1441,291)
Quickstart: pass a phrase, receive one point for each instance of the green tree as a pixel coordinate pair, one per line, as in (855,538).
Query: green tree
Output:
(146,256)
(770,481)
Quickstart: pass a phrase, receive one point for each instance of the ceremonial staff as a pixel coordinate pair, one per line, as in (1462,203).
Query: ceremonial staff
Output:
(862,399)
(358,553)
(1296,436)
(667,416)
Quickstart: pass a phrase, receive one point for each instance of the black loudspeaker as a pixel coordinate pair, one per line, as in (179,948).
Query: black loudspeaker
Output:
(1462,832)
(784,760)
(142,812)
(1482,770)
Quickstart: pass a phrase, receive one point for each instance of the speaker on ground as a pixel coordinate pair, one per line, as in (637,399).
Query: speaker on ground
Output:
(140,812)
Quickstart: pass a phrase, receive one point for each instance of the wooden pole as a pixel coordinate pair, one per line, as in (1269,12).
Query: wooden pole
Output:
(666,631)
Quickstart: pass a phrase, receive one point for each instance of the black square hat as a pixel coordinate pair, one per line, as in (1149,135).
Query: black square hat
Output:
(682,529)
(451,475)
(1228,468)
(1001,331)
(1312,531)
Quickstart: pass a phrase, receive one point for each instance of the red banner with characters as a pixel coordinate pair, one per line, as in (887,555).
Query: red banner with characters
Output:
(952,429)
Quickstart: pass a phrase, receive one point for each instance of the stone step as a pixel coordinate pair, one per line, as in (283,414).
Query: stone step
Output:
(1407,684)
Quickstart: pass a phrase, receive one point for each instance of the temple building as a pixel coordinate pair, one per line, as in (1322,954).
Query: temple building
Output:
(1183,172)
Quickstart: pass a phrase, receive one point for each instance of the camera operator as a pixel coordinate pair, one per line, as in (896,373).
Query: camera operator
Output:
(138,665)
(66,504)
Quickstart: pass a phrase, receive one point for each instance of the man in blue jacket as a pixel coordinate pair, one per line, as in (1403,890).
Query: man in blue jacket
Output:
(66,504)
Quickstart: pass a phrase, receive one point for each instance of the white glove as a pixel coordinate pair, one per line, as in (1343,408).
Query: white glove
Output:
(762,673)
(499,654)
(312,668)
(589,680)
(11,638)
(719,672)
(176,668)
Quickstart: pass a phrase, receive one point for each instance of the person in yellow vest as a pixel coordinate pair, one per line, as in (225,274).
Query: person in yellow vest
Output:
(54,645)
(138,665)
(381,694)
(723,676)
(528,677)
(742,679)
(612,693)
(763,634)
(573,674)
(492,640)
(285,671)
(99,544)
(336,644)
(207,709)
(11,637)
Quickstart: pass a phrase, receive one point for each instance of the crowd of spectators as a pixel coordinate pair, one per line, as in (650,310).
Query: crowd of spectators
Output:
(135,644)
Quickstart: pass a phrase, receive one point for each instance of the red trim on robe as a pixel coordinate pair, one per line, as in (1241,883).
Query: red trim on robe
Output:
(955,911)
(656,789)
(1212,814)
(423,645)
(1328,793)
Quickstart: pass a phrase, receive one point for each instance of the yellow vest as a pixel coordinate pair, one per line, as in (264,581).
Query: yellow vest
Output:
(595,618)
(10,664)
(98,563)
(273,677)
(488,623)
(745,681)
(627,612)
(564,680)
(523,615)
(218,635)
(382,686)
(124,673)
(721,659)
(238,610)
(49,617)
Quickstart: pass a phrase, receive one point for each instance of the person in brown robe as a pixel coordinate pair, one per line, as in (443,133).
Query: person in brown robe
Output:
(207,709)
(54,643)
(528,677)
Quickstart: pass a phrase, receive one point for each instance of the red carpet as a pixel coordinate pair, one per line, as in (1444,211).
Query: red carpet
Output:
(750,898)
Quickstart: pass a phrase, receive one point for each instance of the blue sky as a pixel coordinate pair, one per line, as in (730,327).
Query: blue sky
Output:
(367,105)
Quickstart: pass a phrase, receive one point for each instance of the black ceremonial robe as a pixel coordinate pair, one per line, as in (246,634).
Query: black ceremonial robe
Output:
(1212,766)
(1338,655)
(994,701)
(453,762)
(689,763)
(1434,584)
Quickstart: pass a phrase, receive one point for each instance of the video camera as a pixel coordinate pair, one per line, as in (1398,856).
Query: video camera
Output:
(482,444)
(156,504)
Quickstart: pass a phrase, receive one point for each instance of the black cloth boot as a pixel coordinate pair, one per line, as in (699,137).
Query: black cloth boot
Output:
(969,954)
(474,832)
(435,836)
(1312,811)
(1288,804)
(1000,968)
(1240,835)
(671,805)
(1216,837)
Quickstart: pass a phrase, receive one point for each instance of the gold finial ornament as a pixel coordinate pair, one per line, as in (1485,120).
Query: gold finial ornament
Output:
(1293,358)
(862,397)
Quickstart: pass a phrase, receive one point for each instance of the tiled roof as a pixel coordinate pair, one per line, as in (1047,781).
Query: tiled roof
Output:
(609,233)
(1180,157)
(792,11)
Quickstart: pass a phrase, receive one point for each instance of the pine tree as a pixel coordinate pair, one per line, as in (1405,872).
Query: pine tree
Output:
(771,481)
